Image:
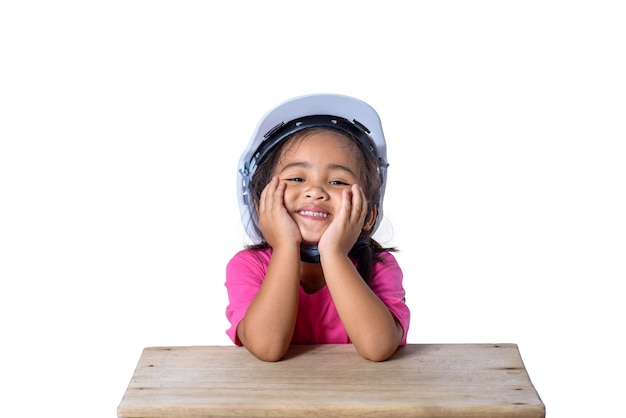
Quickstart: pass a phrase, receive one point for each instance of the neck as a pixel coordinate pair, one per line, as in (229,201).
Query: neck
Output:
(311,277)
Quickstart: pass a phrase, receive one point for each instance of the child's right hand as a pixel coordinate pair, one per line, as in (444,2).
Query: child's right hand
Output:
(276,224)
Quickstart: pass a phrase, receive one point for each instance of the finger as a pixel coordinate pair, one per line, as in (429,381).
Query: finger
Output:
(278,195)
(358,203)
(267,195)
(263,197)
(346,205)
(279,191)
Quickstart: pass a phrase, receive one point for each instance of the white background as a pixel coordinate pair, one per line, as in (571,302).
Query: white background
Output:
(121,124)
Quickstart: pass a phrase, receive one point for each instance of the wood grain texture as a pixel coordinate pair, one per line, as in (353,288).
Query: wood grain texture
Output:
(420,380)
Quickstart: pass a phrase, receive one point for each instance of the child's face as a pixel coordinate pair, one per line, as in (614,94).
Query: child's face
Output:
(316,169)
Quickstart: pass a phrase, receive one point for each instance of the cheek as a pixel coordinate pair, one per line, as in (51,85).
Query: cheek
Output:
(336,198)
(336,195)
(291,194)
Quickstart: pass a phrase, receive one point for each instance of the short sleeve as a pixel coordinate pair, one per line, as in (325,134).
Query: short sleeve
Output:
(244,275)
(386,283)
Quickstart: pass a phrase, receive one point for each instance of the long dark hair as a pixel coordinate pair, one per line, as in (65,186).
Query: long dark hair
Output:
(366,251)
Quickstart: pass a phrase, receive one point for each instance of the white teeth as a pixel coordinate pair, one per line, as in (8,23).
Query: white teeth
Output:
(309,213)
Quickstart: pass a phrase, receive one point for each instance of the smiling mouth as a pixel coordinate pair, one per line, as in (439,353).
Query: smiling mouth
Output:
(314,214)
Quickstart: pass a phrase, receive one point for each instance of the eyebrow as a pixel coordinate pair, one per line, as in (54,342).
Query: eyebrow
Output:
(304,164)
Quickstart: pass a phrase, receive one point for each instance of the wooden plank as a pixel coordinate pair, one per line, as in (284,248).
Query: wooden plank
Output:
(420,380)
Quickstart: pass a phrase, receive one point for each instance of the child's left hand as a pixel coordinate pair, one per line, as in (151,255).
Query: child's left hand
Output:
(347,224)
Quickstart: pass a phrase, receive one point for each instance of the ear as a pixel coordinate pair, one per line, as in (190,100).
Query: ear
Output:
(370,219)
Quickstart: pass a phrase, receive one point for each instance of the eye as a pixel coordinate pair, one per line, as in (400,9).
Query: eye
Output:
(295,179)
(339,183)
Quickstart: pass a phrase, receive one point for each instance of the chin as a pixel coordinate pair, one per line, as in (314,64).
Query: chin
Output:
(311,238)
(310,241)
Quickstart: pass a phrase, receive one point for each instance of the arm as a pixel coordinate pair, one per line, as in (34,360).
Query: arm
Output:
(370,325)
(268,326)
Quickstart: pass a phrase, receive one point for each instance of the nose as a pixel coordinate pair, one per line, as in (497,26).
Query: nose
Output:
(316,192)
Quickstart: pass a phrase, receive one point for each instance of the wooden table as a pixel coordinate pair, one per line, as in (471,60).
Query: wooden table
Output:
(420,380)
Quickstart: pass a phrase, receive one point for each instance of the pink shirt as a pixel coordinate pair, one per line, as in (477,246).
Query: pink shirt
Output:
(317,321)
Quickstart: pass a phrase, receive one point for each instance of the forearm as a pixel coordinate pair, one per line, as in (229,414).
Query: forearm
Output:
(370,325)
(268,326)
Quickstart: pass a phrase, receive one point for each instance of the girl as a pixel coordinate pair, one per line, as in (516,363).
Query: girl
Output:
(311,186)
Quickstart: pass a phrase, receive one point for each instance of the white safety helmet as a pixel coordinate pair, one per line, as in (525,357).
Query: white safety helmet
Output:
(343,113)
